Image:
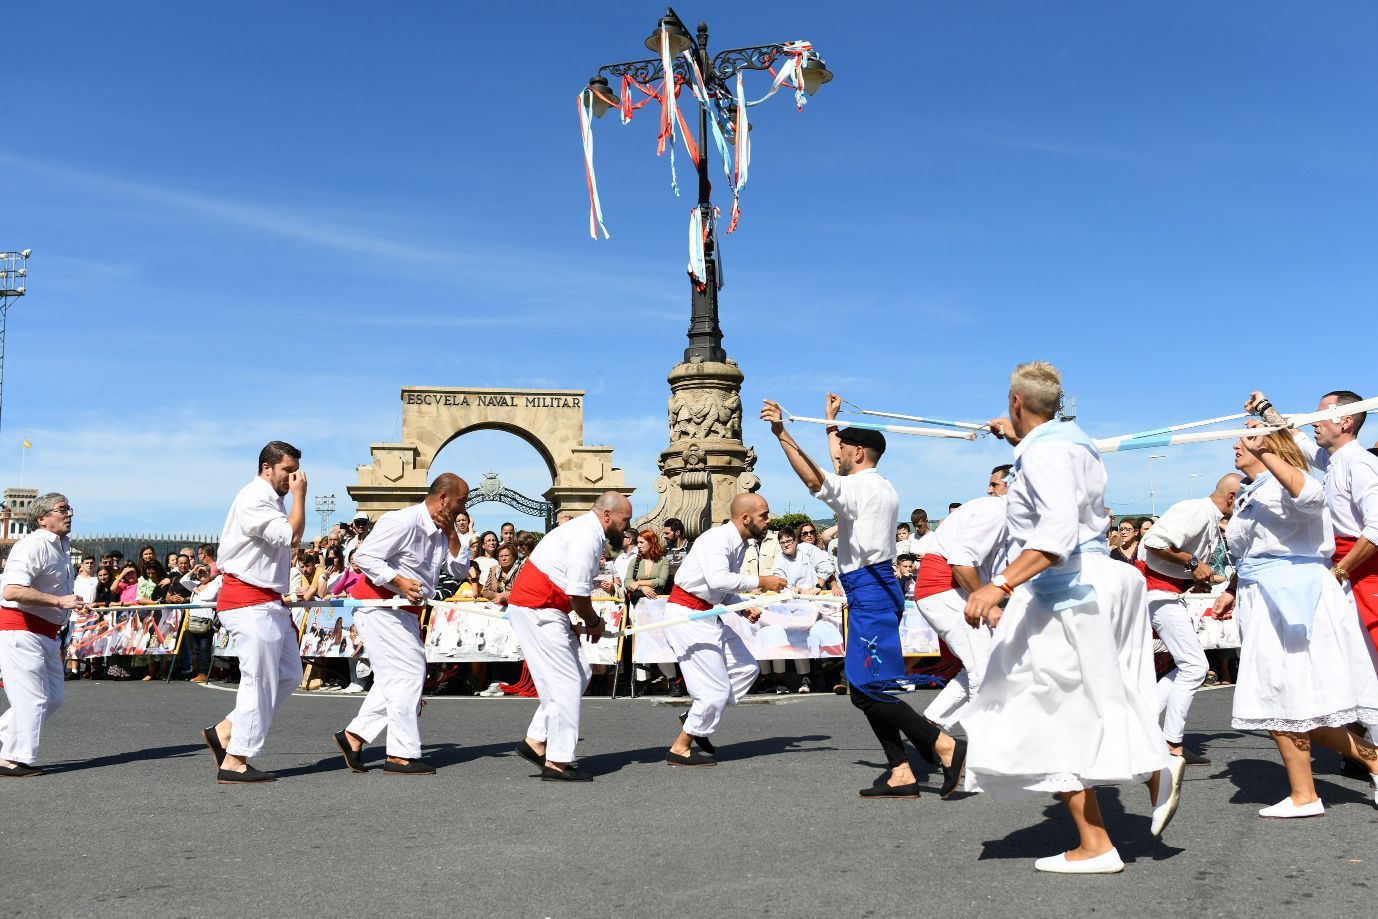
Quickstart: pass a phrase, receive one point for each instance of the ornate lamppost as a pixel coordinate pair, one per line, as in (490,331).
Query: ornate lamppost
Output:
(706,463)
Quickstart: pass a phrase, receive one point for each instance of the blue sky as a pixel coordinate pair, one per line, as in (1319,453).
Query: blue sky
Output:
(262,220)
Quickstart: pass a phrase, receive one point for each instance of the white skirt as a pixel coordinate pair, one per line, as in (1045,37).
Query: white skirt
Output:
(1068,701)
(1288,683)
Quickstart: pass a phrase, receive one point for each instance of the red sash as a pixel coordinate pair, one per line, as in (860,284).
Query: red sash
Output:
(237,594)
(935,577)
(16,620)
(1165,582)
(681,597)
(364,589)
(533,590)
(1343,546)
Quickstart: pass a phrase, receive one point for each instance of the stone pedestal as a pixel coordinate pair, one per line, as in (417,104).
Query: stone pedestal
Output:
(706,464)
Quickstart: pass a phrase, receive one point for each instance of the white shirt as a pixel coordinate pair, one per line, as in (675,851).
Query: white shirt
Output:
(1351,486)
(571,555)
(256,542)
(867,509)
(1191,526)
(1268,521)
(1057,499)
(924,544)
(809,565)
(712,569)
(85,587)
(40,560)
(209,592)
(407,542)
(974,536)
(622,563)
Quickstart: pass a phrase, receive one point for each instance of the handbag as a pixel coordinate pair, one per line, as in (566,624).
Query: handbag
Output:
(200,625)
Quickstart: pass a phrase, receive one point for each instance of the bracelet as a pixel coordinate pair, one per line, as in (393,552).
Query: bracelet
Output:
(1340,573)
(1262,407)
(832,429)
(1009,591)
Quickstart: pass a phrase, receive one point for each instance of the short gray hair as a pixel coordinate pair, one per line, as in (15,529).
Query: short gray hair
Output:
(43,506)
(1041,386)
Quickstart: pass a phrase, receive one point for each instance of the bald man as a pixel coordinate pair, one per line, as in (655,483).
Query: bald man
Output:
(402,556)
(718,667)
(1175,557)
(556,581)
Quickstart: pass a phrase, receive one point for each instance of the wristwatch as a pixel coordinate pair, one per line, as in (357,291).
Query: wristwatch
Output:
(1003,583)
(1192,564)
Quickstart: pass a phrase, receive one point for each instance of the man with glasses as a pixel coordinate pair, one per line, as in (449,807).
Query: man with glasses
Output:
(37,597)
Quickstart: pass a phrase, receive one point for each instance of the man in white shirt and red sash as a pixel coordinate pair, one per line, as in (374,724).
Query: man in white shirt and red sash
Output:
(256,562)
(1174,557)
(718,667)
(402,556)
(967,549)
(37,593)
(1351,495)
(557,580)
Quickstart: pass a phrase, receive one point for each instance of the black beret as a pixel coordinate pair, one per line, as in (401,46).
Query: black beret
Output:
(862,437)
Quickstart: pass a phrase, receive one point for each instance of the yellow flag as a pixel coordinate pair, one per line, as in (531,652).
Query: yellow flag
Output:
(27,445)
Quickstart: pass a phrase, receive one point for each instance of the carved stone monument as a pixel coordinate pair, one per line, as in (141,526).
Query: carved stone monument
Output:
(706,464)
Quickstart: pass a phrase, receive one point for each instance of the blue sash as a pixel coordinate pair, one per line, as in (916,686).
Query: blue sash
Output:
(1291,584)
(875,604)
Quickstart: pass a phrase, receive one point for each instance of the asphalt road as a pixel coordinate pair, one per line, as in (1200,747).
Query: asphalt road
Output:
(129,822)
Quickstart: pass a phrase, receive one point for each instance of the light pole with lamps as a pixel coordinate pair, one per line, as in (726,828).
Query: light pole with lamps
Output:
(325,506)
(706,463)
(1153,498)
(14,269)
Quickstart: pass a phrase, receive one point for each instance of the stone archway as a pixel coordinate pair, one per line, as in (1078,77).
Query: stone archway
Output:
(550,420)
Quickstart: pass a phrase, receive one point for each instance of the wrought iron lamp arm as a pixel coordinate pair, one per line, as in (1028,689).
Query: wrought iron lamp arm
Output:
(724,66)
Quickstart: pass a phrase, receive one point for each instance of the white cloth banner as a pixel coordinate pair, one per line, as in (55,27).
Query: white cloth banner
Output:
(457,634)
(786,631)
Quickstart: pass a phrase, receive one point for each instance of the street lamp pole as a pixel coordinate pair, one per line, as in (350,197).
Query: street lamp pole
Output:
(1152,497)
(1191,482)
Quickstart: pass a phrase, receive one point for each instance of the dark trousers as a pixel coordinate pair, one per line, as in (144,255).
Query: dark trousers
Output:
(893,721)
(199,649)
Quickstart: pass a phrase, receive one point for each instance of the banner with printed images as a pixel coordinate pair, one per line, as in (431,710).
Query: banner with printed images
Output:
(917,637)
(329,631)
(223,643)
(124,632)
(604,651)
(793,630)
(463,633)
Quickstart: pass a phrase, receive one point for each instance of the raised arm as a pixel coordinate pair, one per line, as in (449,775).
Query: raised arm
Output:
(799,461)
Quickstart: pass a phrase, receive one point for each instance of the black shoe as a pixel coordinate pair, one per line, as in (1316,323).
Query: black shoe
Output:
(704,743)
(953,773)
(213,741)
(891,791)
(353,758)
(692,759)
(19,771)
(249,775)
(568,774)
(677,689)
(525,751)
(416,766)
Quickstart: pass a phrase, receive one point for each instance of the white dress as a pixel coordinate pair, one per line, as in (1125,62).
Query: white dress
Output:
(1068,700)
(1286,681)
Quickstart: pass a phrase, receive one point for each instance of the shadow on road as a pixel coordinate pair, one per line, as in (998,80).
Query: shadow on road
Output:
(1130,833)
(133,756)
(607,763)
(1261,781)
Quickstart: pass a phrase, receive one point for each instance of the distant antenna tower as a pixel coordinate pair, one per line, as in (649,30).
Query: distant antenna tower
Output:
(1068,411)
(14,269)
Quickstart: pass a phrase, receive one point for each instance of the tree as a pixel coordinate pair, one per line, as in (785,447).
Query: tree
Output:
(793,521)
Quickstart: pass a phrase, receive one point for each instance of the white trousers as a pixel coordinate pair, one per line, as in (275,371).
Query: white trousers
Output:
(944,613)
(1172,621)
(31,666)
(561,675)
(393,640)
(269,669)
(718,667)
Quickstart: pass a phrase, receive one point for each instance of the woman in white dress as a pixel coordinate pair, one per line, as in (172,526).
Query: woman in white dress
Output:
(1306,669)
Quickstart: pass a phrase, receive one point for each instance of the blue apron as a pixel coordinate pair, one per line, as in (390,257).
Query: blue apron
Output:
(875,604)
